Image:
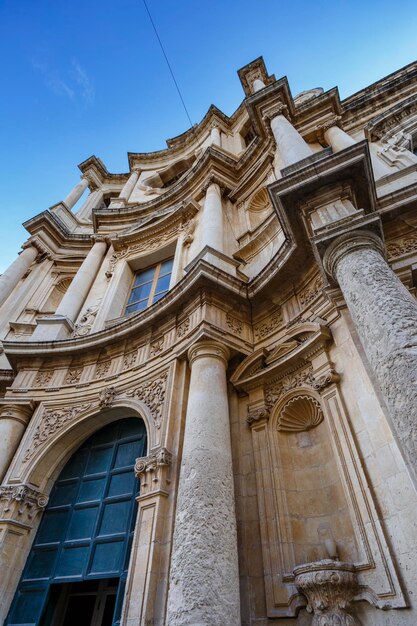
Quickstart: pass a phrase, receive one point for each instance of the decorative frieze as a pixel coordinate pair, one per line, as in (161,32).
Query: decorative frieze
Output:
(300,378)
(154,471)
(311,292)
(233,324)
(156,346)
(401,246)
(102,368)
(43,377)
(73,375)
(183,328)
(129,360)
(21,504)
(267,327)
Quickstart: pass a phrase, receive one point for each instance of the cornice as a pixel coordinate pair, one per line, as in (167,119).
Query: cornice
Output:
(53,234)
(201,275)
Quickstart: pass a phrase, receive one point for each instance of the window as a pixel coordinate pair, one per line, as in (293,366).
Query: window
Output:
(149,286)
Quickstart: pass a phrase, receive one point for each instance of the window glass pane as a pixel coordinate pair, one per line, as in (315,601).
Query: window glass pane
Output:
(53,527)
(122,484)
(138,306)
(72,561)
(166,267)
(163,283)
(107,557)
(41,564)
(144,276)
(139,293)
(115,518)
(158,296)
(82,523)
(99,460)
(91,490)
(63,493)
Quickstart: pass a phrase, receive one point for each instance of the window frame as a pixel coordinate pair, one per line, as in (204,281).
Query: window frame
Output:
(154,282)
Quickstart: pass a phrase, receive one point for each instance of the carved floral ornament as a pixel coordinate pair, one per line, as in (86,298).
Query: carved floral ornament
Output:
(53,419)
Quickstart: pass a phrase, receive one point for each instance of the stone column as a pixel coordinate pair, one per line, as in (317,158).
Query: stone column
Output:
(13,421)
(257,85)
(338,139)
(93,200)
(212,219)
(290,144)
(73,300)
(73,197)
(385,316)
(204,576)
(129,186)
(16,271)
(215,139)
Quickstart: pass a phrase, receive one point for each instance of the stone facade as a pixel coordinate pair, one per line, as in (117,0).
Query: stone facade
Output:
(276,372)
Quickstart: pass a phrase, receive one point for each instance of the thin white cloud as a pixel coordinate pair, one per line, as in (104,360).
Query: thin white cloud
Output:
(78,87)
(82,79)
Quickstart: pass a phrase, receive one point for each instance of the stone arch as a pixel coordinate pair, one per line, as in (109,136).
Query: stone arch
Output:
(42,467)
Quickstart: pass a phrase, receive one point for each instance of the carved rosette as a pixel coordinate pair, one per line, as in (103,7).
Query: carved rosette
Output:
(154,471)
(329,587)
(20,504)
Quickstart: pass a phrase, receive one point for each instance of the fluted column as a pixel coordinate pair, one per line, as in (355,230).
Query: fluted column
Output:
(16,271)
(385,316)
(204,578)
(129,186)
(212,219)
(73,300)
(338,139)
(73,197)
(13,421)
(291,145)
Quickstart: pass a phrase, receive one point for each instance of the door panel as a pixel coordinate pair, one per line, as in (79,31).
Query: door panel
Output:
(87,526)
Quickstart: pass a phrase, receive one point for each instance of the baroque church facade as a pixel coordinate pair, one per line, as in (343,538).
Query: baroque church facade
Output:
(209,375)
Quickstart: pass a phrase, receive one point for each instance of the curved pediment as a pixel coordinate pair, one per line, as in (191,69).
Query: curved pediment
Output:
(296,347)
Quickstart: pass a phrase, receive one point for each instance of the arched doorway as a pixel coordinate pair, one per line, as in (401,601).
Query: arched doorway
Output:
(77,567)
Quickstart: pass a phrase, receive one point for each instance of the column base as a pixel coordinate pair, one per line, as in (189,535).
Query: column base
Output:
(52,328)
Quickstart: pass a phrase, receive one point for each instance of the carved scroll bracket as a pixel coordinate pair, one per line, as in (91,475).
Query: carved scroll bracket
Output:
(154,472)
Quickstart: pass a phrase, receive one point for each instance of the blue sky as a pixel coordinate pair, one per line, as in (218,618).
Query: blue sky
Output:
(87,77)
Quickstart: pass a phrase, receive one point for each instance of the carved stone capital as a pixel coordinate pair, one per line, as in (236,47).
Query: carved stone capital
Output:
(322,127)
(257,414)
(19,412)
(213,180)
(20,504)
(348,244)
(154,471)
(279,109)
(99,238)
(329,587)
(207,348)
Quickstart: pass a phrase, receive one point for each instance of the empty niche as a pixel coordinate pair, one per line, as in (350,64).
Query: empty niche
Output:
(318,520)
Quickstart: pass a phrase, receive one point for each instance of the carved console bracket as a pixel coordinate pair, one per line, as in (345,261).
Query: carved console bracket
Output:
(329,587)
(154,472)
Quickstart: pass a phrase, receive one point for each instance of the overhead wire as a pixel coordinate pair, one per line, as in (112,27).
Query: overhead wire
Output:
(168,63)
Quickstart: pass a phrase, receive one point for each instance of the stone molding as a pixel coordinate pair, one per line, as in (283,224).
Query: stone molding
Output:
(154,472)
(20,504)
(329,587)
(347,244)
(203,349)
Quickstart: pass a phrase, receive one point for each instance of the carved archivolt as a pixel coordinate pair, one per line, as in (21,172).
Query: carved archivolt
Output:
(299,413)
